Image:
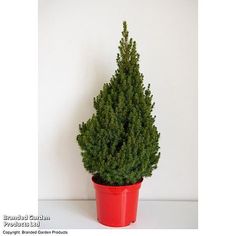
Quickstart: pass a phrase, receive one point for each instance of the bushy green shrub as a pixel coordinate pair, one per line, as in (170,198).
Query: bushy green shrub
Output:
(120,143)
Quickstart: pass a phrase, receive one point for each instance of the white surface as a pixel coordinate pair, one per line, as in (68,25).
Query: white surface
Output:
(151,215)
(78,42)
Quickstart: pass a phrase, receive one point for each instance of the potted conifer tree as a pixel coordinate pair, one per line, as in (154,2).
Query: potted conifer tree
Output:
(120,142)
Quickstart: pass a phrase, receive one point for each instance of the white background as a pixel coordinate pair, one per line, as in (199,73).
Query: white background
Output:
(19,116)
(78,43)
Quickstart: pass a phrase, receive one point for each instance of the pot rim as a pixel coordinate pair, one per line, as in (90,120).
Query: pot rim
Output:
(117,186)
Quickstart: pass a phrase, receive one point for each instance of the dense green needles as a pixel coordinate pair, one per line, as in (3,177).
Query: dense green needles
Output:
(120,143)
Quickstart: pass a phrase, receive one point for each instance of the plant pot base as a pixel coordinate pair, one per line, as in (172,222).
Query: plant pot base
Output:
(115,225)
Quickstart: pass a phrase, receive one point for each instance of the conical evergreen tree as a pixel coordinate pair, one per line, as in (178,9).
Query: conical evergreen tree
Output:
(120,143)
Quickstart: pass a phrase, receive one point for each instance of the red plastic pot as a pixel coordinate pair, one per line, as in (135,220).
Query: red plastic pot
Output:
(116,205)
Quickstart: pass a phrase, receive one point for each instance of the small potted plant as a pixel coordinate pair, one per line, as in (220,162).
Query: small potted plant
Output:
(120,142)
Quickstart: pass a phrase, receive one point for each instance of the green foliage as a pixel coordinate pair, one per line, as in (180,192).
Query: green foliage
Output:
(120,143)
